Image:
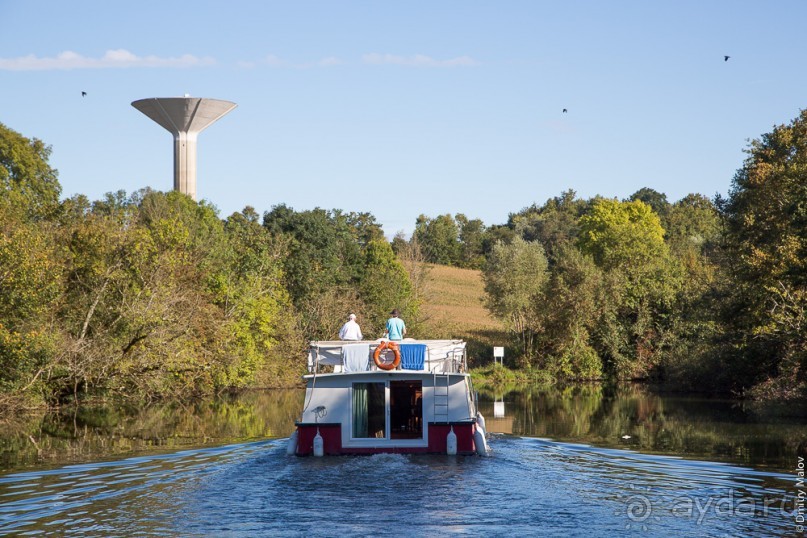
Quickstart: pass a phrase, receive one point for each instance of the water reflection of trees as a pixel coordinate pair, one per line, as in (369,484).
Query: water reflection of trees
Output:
(593,413)
(606,415)
(92,433)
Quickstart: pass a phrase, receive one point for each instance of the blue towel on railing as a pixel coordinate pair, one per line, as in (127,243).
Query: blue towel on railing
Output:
(413,356)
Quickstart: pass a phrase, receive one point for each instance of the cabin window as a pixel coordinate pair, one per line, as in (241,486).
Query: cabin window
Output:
(406,409)
(369,416)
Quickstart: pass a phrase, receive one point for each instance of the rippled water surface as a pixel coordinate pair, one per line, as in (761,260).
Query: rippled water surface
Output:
(580,462)
(527,485)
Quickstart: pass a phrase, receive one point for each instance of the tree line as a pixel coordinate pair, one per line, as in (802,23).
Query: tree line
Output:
(700,294)
(152,294)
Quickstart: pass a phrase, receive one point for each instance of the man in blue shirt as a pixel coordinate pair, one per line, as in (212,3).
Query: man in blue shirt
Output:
(396,328)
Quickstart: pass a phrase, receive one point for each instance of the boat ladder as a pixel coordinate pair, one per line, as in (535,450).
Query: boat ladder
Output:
(441,383)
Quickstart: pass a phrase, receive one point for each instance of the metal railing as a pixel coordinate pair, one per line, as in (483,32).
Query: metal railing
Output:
(442,356)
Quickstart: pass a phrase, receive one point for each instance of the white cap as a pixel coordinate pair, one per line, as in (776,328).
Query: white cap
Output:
(352,316)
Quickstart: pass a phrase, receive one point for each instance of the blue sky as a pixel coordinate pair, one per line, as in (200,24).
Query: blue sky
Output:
(403,108)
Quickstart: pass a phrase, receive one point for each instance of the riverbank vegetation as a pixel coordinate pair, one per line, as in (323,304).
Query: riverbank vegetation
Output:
(151,295)
(698,294)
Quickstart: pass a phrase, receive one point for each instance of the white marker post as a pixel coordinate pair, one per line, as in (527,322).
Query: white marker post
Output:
(498,355)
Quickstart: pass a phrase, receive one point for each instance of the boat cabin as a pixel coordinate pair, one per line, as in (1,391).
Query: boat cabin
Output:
(368,397)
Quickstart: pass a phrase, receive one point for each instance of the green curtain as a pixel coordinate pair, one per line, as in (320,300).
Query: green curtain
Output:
(360,410)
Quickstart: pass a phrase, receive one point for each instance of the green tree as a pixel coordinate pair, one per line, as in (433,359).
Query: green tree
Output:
(385,286)
(575,304)
(30,285)
(471,237)
(656,200)
(325,264)
(399,243)
(324,249)
(692,223)
(150,326)
(27,181)
(622,234)
(162,301)
(365,229)
(258,315)
(30,259)
(439,239)
(554,224)
(626,240)
(766,236)
(96,275)
(694,236)
(494,234)
(515,277)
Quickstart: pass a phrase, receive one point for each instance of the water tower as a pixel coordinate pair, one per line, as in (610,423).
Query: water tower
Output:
(185,117)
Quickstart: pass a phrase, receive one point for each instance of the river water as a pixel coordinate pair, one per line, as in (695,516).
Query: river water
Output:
(559,466)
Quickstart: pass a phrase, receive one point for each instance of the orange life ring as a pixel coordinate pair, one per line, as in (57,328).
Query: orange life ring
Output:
(392,346)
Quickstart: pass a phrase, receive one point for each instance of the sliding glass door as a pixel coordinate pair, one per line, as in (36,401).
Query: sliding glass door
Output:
(406,409)
(369,401)
(369,411)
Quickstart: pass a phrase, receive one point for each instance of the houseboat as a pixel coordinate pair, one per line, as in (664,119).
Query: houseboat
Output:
(370,397)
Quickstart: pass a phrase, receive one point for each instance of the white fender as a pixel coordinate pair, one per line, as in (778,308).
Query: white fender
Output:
(451,443)
(291,446)
(480,441)
(319,445)
(481,421)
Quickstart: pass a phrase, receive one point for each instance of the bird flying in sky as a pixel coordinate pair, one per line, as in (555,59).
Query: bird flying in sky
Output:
(726,58)
(84,94)
(565,111)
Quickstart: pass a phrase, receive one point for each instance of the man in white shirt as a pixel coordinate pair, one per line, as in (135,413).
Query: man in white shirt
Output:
(350,330)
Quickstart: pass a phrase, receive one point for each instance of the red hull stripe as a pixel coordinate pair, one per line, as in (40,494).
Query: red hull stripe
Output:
(331,434)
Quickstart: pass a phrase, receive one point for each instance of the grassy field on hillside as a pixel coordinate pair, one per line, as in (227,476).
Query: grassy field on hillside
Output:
(453,308)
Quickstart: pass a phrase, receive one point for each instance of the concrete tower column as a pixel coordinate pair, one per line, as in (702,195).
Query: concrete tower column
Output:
(185,163)
(185,118)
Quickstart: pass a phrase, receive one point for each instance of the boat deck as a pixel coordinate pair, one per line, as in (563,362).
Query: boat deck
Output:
(346,357)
